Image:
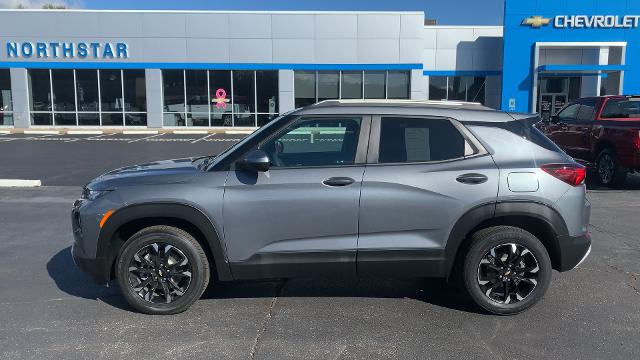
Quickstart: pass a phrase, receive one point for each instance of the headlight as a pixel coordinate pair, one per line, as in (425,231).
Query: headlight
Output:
(91,195)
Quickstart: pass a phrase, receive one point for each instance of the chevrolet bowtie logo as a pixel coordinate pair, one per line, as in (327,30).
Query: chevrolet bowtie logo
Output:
(536,21)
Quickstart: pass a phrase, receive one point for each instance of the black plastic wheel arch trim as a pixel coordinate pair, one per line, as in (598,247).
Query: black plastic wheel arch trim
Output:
(108,248)
(484,212)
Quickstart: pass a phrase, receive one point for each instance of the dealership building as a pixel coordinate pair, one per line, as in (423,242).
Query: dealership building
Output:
(201,69)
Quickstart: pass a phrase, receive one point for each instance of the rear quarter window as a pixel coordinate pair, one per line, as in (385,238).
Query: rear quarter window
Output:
(406,140)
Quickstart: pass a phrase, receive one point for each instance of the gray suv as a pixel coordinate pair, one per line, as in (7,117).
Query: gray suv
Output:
(340,188)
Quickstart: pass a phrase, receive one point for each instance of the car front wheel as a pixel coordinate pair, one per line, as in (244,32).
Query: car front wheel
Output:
(162,270)
(506,270)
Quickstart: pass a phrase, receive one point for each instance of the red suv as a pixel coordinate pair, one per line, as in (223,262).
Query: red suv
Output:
(603,131)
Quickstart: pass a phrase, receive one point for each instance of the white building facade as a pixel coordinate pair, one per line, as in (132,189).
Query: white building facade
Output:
(157,69)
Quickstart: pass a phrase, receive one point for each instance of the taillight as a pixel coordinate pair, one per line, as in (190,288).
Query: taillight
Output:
(636,142)
(572,174)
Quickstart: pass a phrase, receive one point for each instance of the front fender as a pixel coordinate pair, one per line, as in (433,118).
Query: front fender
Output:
(109,245)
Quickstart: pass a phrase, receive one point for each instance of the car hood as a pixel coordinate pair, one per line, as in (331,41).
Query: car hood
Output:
(157,172)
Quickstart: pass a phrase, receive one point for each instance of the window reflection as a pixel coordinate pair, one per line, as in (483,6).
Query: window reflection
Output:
(87,97)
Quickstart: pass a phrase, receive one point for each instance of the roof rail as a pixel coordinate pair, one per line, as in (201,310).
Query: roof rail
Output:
(396,102)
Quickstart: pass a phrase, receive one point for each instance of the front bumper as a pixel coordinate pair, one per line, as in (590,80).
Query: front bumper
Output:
(95,266)
(573,250)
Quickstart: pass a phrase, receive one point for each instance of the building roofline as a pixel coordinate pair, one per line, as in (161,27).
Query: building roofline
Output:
(302,12)
(463,26)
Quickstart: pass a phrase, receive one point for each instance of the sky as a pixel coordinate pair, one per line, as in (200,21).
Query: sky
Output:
(451,12)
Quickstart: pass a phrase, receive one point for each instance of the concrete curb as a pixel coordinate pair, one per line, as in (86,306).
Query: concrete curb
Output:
(19,183)
(142,131)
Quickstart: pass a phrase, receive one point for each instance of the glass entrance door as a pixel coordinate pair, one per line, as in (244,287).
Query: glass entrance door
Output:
(550,104)
(554,92)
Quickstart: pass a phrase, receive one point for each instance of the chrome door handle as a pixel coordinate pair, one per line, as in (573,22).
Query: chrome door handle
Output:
(338,181)
(472,179)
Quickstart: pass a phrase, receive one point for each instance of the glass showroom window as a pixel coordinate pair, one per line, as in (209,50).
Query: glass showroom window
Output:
(462,88)
(6,109)
(219,97)
(66,97)
(313,86)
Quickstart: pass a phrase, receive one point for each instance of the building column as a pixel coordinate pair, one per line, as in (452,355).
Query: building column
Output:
(419,85)
(286,95)
(20,97)
(153,83)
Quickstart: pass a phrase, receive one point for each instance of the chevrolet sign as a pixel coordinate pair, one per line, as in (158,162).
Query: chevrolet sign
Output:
(585,21)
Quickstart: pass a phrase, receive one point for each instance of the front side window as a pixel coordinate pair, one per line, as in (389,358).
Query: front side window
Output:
(569,113)
(587,110)
(419,140)
(315,142)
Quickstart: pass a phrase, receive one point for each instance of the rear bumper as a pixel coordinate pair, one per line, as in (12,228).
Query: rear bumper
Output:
(573,250)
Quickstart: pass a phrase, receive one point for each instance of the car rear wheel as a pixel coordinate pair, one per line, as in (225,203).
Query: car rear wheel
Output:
(506,270)
(162,270)
(608,169)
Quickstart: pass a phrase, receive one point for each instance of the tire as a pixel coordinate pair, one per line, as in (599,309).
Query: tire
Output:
(608,169)
(170,246)
(479,274)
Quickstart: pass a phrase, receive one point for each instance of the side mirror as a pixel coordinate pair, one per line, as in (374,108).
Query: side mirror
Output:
(554,119)
(255,160)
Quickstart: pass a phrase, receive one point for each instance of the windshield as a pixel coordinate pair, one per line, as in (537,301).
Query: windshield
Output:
(622,109)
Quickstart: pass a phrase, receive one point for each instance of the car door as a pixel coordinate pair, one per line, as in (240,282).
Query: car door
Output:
(558,129)
(301,216)
(577,138)
(422,175)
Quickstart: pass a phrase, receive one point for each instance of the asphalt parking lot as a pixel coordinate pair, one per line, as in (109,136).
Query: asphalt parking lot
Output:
(48,309)
(75,159)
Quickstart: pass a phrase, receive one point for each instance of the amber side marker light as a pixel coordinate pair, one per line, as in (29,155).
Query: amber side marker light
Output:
(105,217)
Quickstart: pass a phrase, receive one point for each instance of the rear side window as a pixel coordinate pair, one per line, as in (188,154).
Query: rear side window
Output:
(526,130)
(621,109)
(419,140)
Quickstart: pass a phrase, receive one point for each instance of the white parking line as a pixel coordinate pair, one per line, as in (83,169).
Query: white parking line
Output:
(99,136)
(145,138)
(202,138)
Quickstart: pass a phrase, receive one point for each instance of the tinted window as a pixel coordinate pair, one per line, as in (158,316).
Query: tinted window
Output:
(111,90)
(437,87)
(419,140)
(621,108)
(305,88)
(328,85)
(586,111)
(569,113)
(398,84)
(352,84)
(315,142)
(374,85)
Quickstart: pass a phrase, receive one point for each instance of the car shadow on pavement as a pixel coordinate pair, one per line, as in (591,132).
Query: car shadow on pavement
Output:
(432,291)
(72,281)
(632,182)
